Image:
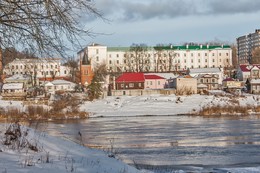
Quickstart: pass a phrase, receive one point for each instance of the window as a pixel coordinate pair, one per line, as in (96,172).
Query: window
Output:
(117,55)
(206,60)
(206,54)
(140,84)
(97,51)
(184,60)
(201,80)
(213,54)
(198,54)
(159,83)
(191,54)
(117,61)
(97,58)
(219,54)
(65,72)
(16,66)
(213,80)
(131,85)
(213,60)
(110,62)
(51,66)
(227,54)
(151,83)
(185,54)
(122,85)
(199,60)
(192,61)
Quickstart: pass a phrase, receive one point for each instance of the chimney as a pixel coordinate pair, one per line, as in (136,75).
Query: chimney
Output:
(201,46)
(207,46)
(187,46)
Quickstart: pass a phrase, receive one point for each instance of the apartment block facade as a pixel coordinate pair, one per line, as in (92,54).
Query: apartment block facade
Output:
(246,44)
(159,59)
(42,69)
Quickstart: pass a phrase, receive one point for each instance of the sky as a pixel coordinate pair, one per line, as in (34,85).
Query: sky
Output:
(174,22)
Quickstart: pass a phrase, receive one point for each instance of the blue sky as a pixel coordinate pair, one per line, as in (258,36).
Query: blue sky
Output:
(172,21)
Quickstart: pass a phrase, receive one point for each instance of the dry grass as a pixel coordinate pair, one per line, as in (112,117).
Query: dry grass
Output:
(225,110)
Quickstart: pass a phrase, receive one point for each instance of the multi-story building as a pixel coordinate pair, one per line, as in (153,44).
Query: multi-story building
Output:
(159,59)
(43,69)
(246,44)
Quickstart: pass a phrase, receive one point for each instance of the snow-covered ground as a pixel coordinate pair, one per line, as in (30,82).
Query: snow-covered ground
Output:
(54,155)
(161,104)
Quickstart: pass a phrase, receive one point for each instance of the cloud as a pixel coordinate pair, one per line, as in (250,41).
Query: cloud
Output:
(125,10)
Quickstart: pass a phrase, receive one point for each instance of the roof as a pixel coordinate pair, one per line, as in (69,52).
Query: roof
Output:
(164,75)
(202,86)
(13,86)
(185,76)
(255,81)
(152,76)
(205,70)
(19,77)
(247,67)
(60,82)
(131,77)
(193,47)
(228,79)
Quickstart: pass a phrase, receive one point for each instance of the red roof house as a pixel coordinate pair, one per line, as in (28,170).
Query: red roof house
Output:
(130,81)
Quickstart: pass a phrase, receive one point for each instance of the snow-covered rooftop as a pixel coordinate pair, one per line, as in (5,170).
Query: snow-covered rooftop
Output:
(13,86)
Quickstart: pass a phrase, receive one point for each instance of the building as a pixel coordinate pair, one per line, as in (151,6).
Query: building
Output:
(185,85)
(246,44)
(86,71)
(130,81)
(154,82)
(253,86)
(96,54)
(231,85)
(218,72)
(39,69)
(245,72)
(59,85)
(208,80)
(159,59)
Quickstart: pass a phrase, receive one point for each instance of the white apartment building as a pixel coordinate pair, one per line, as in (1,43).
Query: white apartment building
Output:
(246,44)
(170,58)
(96,53)
(38,68)
(158,59)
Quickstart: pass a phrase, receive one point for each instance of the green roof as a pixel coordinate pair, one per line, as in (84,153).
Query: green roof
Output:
(116,49)
(203,47)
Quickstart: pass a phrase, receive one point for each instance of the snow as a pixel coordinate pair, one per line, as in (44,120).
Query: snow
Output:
(56,155)
(67,156)
(161,104)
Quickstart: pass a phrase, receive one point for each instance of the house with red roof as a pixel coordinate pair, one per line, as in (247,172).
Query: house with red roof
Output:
(130,81)
(230,84)
(153,81)
(248,71)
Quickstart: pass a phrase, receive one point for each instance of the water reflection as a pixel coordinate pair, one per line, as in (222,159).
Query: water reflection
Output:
(169,140)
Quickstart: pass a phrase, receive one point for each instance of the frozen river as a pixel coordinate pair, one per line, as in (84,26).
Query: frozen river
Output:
(170,142)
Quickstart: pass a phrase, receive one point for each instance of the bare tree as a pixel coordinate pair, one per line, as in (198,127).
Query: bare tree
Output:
(256,56)
(47,26)
(137,58)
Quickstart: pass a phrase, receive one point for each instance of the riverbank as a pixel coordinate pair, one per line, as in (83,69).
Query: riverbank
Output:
(25,150)
(166,105)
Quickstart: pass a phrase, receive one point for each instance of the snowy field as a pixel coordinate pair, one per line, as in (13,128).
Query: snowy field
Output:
(160,104)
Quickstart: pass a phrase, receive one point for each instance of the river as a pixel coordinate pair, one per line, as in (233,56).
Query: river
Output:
(164,143)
